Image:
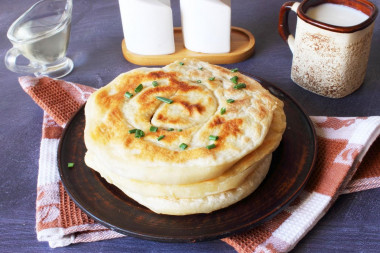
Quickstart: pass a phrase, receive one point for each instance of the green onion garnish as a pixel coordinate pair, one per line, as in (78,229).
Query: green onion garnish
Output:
(160,137)
(139,88)
(153,129)
(211,146)
(222,110)
(155,83)
(70,165)
(230,100)
(179,130)
(200,68)
(181,63)
(128,94)
(211,78)
(240,86)
(132,131)
(166,100)
(213,137)
(199,81)
(183,146)
(234,70)
(139,133)
(170,129)
(234,79)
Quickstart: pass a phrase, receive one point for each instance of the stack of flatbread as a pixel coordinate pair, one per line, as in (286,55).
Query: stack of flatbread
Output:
(187,138)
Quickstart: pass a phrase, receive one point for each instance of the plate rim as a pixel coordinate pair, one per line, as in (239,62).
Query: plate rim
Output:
(269,215)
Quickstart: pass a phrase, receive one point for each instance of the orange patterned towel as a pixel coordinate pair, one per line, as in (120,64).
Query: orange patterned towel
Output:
(343,143)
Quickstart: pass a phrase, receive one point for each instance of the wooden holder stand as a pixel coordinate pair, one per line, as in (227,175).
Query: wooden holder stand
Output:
(242,47)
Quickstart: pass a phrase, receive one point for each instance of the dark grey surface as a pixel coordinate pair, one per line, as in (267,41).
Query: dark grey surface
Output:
(352,224)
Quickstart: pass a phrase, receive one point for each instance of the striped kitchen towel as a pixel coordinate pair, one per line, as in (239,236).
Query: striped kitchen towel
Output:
(347,161)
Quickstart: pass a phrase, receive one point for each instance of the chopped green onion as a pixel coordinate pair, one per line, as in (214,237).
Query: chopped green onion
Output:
(200,68)
(139,133)
(181,63)
(155,83)
(211,146)
(240,86)
(160,137)
(153,129)
(132,131)
(211,78)
(222,110)
(128,94)
(166,100)
(170,129)
(234,79)
(199,81)
(139,88)
(70,165)
(179,130)
(183,146)
(213,137)
(230,100)
(234,70)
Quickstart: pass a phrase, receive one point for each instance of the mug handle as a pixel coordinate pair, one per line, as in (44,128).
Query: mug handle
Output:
(10,63)
(283,27)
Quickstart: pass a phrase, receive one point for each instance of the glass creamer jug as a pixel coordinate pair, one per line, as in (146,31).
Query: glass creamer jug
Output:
(42,35)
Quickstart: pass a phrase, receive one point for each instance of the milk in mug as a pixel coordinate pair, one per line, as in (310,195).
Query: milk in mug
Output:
(336,14)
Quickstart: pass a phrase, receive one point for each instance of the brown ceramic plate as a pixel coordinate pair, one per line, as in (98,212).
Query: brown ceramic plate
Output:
(290,169)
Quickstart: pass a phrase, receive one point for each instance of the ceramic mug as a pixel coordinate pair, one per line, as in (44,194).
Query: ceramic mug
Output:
(328,60)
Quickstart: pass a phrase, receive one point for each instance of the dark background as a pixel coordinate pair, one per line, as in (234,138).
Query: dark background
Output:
(352,224)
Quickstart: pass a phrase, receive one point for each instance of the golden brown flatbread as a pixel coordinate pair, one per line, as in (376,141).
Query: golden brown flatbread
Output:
(172,139)
(194,115)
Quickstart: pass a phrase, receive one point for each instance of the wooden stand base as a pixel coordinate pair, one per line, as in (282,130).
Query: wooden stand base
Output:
(242,47)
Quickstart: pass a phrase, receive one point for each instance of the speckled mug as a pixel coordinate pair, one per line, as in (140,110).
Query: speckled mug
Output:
(328,60)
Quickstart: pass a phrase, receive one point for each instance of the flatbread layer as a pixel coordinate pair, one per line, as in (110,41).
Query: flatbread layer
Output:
(198,92)
(230,179)
(207,204)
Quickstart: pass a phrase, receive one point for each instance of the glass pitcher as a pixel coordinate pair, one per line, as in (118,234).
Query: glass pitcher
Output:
(42,35)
